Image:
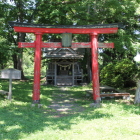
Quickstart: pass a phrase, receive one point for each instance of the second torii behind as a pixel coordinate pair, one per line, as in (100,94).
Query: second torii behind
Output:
(39,30)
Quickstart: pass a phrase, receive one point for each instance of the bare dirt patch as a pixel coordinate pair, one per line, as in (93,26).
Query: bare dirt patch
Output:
(64,104)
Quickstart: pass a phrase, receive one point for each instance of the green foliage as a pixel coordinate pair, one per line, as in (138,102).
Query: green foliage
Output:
(28,62)
(71,12)
(5,52)
(0,86)
(119,74)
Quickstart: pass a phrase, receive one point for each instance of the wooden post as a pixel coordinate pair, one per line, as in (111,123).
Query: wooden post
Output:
(37,65)
(73,78)
(55,73)
(95,72)
(10,88)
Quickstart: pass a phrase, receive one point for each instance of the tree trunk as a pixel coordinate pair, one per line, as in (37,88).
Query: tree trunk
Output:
(18,55)
(137,95)
(89,65)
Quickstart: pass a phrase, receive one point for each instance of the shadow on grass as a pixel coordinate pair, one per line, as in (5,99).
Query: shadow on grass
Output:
(19,119)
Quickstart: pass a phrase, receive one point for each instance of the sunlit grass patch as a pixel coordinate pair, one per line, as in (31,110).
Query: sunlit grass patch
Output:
(19,120)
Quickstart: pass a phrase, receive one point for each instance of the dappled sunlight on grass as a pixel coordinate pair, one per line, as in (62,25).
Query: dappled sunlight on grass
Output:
(65,114)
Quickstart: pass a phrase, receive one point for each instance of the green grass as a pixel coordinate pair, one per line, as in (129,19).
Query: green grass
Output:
(115,120)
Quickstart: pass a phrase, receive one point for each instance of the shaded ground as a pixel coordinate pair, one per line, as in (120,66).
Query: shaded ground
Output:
(64,103)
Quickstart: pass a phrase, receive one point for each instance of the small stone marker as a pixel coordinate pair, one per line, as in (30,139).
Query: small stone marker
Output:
(10,74)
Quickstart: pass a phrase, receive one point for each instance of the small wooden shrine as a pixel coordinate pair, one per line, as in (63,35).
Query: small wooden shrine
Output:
(64,67)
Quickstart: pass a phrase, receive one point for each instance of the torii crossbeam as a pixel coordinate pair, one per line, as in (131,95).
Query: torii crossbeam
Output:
(39,30)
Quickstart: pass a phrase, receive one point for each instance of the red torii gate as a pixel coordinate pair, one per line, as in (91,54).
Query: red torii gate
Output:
(39,30)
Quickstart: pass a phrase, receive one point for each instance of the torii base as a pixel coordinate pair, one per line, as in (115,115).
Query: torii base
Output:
(36,103)
(96,104)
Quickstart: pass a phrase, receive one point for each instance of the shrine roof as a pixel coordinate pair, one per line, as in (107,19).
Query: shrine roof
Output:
(64,57)
(64,53)
(19,24)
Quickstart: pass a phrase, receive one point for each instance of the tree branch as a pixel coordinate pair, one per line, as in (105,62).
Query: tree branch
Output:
(65,2)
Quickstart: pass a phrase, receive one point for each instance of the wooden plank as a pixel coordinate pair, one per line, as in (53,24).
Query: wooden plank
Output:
(51,45)
(115,94)
(81,45)
(59,45)
(26,45)
(110,94)
(105,45)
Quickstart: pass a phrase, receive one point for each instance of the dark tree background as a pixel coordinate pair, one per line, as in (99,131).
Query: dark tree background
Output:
(77,12)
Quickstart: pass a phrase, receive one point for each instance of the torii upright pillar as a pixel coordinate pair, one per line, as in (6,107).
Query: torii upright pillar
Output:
(95,69)
(37,66)
(39,30)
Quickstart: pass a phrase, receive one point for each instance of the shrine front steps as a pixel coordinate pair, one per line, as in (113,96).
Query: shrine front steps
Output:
(64,80)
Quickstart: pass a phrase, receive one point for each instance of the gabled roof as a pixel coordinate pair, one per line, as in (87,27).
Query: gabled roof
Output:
(20,24)
(64,53)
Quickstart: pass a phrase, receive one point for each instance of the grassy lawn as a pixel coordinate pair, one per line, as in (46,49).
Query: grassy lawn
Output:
(115,120)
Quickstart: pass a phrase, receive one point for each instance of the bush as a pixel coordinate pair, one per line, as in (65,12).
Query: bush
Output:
(119,74)
(0,86)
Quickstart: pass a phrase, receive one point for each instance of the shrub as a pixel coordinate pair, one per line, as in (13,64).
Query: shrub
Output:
(119,74)
(0,86)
